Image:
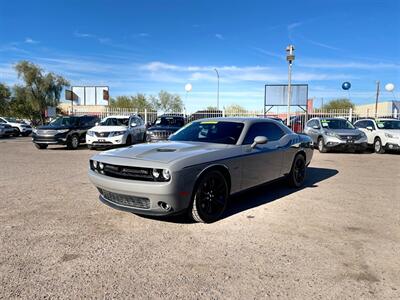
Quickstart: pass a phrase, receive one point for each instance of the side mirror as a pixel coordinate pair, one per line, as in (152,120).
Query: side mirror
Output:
(316,127)
(133,124)
(369,128)
(259,140)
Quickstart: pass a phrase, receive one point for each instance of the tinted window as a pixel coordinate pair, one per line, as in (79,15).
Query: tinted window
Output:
(361,124)
(169,121)
(88,121)
(312,123)
(65,121)
(270,130)
(210,131)
(115,122)
(388,124)
(336,124)
(369,123)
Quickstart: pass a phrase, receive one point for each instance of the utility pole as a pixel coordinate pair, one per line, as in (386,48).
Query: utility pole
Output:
(290,59)
(377,98)
(217,88)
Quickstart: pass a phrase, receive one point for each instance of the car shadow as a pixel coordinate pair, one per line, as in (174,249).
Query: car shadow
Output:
(63,148)
(260,195)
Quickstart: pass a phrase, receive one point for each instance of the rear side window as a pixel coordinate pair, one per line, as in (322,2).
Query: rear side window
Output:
(88,121)
(270,130)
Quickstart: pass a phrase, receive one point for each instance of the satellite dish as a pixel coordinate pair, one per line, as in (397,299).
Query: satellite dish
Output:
(389,87)
(346,85)
(188,87)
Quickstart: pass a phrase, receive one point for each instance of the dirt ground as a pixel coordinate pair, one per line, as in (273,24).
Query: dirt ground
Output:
(338,237)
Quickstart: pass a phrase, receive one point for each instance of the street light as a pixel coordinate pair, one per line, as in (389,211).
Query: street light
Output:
(217,88)
(290,59)
(188,88)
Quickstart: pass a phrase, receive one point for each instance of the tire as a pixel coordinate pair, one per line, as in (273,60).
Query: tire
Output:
(144,138)
(90,147)
(378,148)
(210,197)
(41,146)
(298,171)
(321,145)
(25,134)
(17,132)
(73,142)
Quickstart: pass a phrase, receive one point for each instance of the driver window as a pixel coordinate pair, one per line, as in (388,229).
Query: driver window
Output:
(267,129)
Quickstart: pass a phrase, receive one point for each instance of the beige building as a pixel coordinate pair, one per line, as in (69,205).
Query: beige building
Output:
(387,108)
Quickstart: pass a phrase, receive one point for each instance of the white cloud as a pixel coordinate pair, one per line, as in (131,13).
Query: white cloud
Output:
(29,40)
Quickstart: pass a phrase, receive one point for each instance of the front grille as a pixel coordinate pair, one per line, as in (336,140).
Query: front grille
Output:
(350,137)
(125,200)
(125,172)
(160,134)
(46,132)
(102,134)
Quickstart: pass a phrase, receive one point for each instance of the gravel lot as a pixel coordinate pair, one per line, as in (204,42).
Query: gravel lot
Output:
(339,237)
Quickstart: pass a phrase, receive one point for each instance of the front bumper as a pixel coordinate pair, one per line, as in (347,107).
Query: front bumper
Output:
(95,141)
(121,193)
(334,142)
(60,139)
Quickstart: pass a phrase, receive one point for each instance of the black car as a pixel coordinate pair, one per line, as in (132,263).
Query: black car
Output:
(163,127)
(69,130)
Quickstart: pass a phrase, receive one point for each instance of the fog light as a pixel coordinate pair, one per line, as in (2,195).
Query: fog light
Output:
(95,164)
(101,166)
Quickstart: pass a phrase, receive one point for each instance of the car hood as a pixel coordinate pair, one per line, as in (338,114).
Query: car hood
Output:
(108,128)
(345,131)
(165,152)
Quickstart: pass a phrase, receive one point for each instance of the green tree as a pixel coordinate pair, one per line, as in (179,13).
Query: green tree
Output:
(167,102)
(5,97)
(40,89)
(211,108)
(235,110)
(138,102)
(338,104)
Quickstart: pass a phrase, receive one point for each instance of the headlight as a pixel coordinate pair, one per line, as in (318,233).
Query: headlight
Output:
(117,133)
(166,174)
(62,130)
(161,174)
(34,130)
(91,133)
(329,133)
(362,135)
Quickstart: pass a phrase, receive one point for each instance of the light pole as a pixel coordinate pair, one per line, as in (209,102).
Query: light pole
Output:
(290,59)
(377,98)
(217,87)
(188,88)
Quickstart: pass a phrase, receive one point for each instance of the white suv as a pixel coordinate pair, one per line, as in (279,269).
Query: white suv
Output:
(382,134)
(20,128)
(116,130)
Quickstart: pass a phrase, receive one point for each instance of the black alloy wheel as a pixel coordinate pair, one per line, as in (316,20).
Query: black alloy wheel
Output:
(297,174)
(210,197)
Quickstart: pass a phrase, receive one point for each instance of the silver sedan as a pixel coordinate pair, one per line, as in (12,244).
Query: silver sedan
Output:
(200,166)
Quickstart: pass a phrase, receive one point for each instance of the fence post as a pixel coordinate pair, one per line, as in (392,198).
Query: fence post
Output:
(145,116)
(350,114)
(223,112)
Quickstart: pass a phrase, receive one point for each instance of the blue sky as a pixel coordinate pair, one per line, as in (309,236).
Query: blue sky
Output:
(146,46)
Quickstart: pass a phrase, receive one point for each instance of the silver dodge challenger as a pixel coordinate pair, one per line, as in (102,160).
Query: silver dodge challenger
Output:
(200,166)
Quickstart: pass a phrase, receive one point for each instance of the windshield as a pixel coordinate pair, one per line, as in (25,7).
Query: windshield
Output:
(64,121)
(169,121)
(210,132)
(336,124)
(388,124)
(115,122)
(12,120)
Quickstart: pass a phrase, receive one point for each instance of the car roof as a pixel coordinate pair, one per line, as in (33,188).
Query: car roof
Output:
(119,116)
(381,119)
